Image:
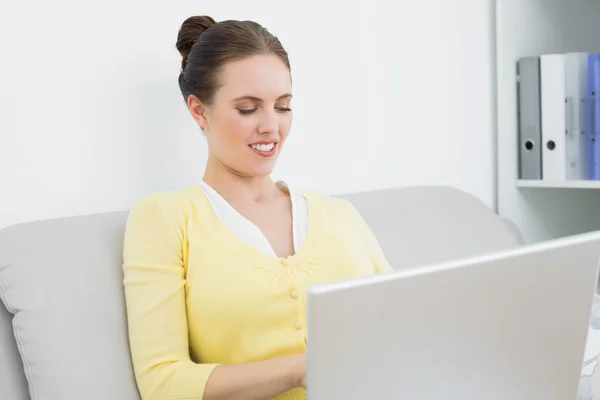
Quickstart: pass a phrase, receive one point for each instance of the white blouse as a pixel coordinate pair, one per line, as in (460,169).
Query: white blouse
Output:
(247,231)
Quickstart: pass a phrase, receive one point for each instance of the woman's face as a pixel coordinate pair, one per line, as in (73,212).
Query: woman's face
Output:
(250,117)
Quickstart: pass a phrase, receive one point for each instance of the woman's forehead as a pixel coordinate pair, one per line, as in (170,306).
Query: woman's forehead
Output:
(263,77)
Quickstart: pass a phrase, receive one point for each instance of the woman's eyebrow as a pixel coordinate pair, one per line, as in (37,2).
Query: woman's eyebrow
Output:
(254,98)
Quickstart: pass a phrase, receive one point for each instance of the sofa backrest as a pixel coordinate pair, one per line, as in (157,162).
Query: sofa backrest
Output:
(62,281)
(428,224)
(13,385)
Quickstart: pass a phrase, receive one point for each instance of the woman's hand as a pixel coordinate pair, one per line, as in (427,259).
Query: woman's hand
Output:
(298,369)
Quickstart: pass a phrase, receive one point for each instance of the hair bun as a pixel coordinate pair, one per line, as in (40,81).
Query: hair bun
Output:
(190,31)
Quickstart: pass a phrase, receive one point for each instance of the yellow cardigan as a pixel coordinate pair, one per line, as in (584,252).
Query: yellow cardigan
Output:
(197,296)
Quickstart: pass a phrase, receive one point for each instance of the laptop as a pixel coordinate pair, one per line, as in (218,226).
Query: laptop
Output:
(510,325)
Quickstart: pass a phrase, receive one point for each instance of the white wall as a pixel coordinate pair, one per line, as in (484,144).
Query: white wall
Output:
(387,93)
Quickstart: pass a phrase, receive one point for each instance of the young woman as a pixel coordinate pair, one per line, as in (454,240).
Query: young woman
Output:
(216,274)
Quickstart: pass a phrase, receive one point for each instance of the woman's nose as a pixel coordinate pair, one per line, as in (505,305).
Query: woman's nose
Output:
(269,123)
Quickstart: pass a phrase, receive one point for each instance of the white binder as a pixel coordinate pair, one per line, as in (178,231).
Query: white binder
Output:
(554,155)
(576,66)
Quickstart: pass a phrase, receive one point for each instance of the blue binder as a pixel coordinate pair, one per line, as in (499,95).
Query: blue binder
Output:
(594,116)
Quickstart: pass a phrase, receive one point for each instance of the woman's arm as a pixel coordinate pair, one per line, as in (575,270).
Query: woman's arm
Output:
(256,381)
(154,281)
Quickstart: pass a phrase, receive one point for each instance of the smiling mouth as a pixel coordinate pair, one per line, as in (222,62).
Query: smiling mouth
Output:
(264,149)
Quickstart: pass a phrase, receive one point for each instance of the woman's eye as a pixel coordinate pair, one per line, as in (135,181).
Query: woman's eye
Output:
(247,111)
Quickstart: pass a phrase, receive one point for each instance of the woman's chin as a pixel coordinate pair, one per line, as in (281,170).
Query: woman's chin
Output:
(261,170)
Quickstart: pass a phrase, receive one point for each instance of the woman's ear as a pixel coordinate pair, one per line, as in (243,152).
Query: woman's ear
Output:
(198,111)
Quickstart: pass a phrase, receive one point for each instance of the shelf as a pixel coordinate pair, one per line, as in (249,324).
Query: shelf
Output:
(541,210)
(558,184)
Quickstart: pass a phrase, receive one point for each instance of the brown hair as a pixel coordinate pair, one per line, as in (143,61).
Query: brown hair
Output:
(206,45)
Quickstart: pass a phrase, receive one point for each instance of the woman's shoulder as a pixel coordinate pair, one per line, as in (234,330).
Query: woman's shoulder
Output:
(170,206)
(328,202)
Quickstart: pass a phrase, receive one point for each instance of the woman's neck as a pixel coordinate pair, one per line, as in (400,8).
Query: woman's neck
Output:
(233,187)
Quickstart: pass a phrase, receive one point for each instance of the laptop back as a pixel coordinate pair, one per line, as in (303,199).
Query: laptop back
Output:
(511,325)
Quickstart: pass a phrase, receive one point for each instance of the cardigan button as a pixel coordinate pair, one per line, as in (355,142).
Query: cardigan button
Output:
(285,263)
(295,294)
(298,325)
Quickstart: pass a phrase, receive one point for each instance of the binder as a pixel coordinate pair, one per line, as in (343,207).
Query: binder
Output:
(593,123)
(553,100)
(576,88)
(529,118)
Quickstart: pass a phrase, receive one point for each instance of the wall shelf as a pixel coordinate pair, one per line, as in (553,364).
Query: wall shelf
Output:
(529,28)
(541,184)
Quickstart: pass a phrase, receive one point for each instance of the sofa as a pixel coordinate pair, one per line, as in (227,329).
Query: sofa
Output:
(63,333)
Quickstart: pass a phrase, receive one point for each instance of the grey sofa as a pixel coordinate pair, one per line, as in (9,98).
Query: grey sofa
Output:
(63,333)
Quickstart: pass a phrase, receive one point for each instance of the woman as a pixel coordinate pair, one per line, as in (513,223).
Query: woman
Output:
(216,275)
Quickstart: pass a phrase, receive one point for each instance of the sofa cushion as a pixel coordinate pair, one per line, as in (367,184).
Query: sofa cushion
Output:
(429,224)
(13,385)
(63,280)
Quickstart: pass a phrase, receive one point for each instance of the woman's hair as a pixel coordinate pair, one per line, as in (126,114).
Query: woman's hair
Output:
(206,46)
